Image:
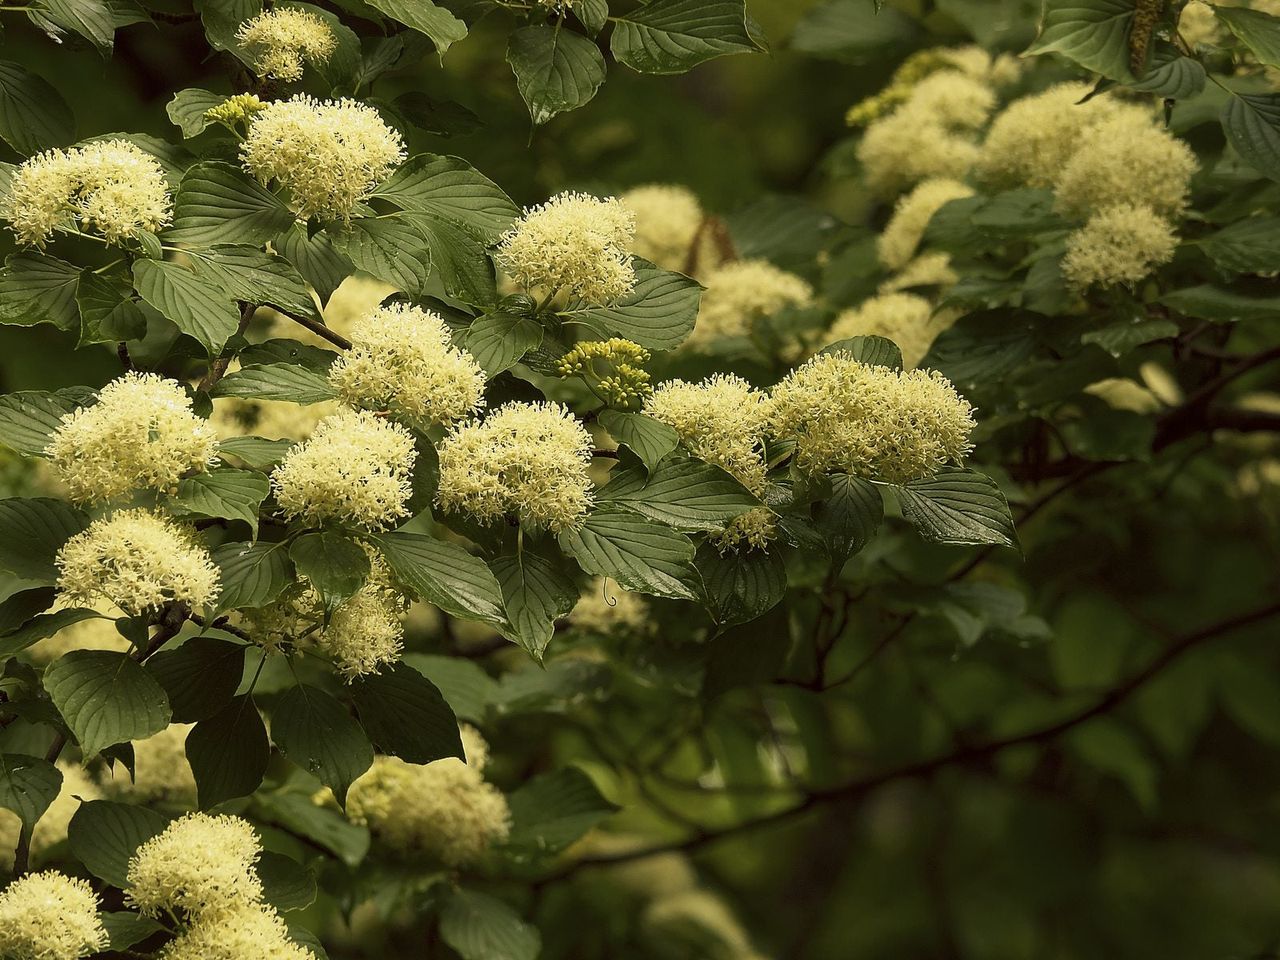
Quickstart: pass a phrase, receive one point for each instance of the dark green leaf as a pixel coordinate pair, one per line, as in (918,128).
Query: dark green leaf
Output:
(188,107)
(198,307)
(286,884)
(31,533)
(104,835)
(27,786)
(317,733)
(275,381)
(1252,125)
(441,26)
(672,36)
(741,585)
(33,115)
(223,492)
(850,517)
(108,312)
(405,715)
(336,566)
(228,752)
(1257,30)
(253,574)
(551,811)
(393,249)
(498,340)
(481,927)
(449,188)
(445,574)
(536,592)
(200,677)
(556,69)
(958,506)
(642,555)
(35,288)
(680,491)
(219,203)
(29,418)
(659,313)
(106,698)
(647,438)
(465,686)
(1092,33)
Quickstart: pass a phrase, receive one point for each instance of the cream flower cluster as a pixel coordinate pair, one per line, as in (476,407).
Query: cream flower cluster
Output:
(137,560)
(279,41)
(574,243)
(50,916)
(721,420)
(932,269)
(901,237)
(355,468)
(51,829)
(142,434)
(667,220)
(367,631)
(972,62)
(161,772)
(871,421)
(444,810)
(328,154)
(199,864)
(402,359)
(244,933)
(605,608)
(525,459)
(740,293)
(1119,244)
(111,186)
(905,318)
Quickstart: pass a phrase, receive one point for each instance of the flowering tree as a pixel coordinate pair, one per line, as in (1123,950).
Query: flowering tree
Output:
(388,569)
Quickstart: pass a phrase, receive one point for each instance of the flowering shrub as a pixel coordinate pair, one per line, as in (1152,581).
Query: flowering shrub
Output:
(389,568)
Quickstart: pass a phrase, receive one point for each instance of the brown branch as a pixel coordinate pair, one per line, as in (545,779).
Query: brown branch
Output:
(319,329)
(219,366)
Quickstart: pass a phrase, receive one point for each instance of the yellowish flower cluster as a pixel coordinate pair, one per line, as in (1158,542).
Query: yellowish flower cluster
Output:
(525,459)
(905,318)
(444,809)
(328,154)
(161,773)
(111,186)
(927,270)
(1120,244)
(1198,25)
(96,633)
(51,829)
(235,111)
(605,608)
(871,421)
(901,237)
(402,359)
(753,530)
(623,380)
(244,933)
(367,631)
(972,62)
(201,864)
(141,435)
(574,243)
(721,420)
(270,419)
(742,292)
(667,220)
(355,468)
(50,916)
(278,41)
(137,560)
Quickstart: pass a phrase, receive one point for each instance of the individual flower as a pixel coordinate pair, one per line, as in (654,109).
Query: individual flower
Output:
(667,220)
(401,358)
(51,829)
(161,773)
(142,434)
(1126,161)
(250,932)
(905,318)
(444,810)
(201,864)
(897,244)
(742,292)
(613,369)
(355,468)
(137,560)
(871,421)
(573,243)
(1120,244)
(525,459)
(110,186)
(50,916)
(95,633)
(328,154)
(721,420)
(278,41)
(366,632)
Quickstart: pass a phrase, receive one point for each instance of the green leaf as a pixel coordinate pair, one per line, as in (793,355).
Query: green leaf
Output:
(958,506)
(31,533)
(219,203)
(104,835)
(323,826)
(20,607)
(499,339)
(741,585)
(108,312)
(1092,33)
(642,555)
(459,260)
(553,810)
(672,36)
(1221,306)
(1252,125)
(321,263)
(336,566)
(196,306)
(223,492)
(1248,246)
(253,574)
(437,23)
(850,517)
(316,732)
(249,274)
(536,592)
(1171,75)
(33,115)
(228,752)
(275,381)
(199,677)
(106,698)
(91,19)
(125,928)
(445,574)
(450,189)
(391,248)
(444,118)
(1120,338)
(873,351)
(592,14)
(286,884)
(27,786)
(187,109)
(659,313)
(854,31)
(35,288)
(685,493)
(465,686)
(45,625)
(257,452)
(556,69)
(405,715)
(29,418)
(647,438)
(481,927)
(1258,31)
